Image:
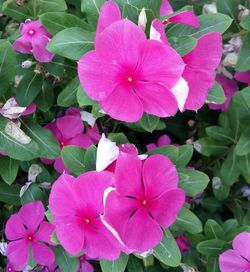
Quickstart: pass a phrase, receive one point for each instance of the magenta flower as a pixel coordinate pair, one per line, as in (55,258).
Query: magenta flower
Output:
(163,140)
(230,87)
(238,258)
(145,199)
(165,8)
(68,130)
(243,77)
(182,243)
(34,39)
(129,78)
(26,230)
(84,265)
(77,205)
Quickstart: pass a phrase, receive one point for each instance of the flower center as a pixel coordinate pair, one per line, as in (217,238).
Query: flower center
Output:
(144,202)
(30,238)
(130,79)
(31,32)
(86,221)
(62,144)
(10,269)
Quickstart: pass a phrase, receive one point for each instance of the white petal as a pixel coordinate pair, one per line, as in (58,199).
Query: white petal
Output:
(106,193)
(143,156)
(154,34)
(3,247)
(142,20)
(24,188)
(107,152)
(88,117)
(180,91)
(34,171)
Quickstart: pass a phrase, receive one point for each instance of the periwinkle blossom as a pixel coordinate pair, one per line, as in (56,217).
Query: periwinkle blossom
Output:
(237,258)
(182,243)
(230,87)
(77,205)
(129,74)
(243,77)
(163,140)
(34,39)
(145,200)
(26,230)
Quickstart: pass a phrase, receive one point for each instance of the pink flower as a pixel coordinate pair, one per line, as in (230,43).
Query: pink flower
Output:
(182,243)
(34,40)
(68,130)
(238,258)
(199,69)
(77,205)
(84,265)
(25,230)
(165,8)
(129,78)
(145,199)
(230,87)
(243,77)
(163,140)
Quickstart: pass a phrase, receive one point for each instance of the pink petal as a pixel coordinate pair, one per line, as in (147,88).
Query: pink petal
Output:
(123,104)
(55,131)
(119,43)
(241,244)
(23,45)
(156,99)
(30,109)
(60,167)
(128,148)
(90,188)
(81,140)
(18,254)
(243,77)
(97,76)
(128,175)
(157,31)
(42,254)
(45,232)
(209,44)
(109,14)
(231,261)
(100,242)
(159,63)
(86,267)
(142,232)
(39,49)
(60,195)
(32,214)
(199,82)
(14,228)
(151,146)
(70,126)
(47,161)
(94,134)
(165,8)
(164,140)
(159,176)
(183,243)
(185,17)
(165,208)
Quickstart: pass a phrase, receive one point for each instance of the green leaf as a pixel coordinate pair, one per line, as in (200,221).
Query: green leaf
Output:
(49,146)
(58,21)
(29,88)
(7,63)
(83,99)
(15,148)
(92,9)
(212,264)
(67,96)
(208,23)
(118,138)
(243,146)
(245,22)
(45,99)
(90,158)
(33,193)
(185,153)
(192,181)
(131,12)
(167,251)
(183,45)
(169,151)
(243,63)
(72,43)
(149,122)
(8,169)
(229,225)
(216,95)
(211,247)
(229,7)
(188,221)
(134,264)
(213,230)
(52,5)
(220,134)
(10,194)
(243,164)
(118,265)
(65,261)
(11,9)
(73,158)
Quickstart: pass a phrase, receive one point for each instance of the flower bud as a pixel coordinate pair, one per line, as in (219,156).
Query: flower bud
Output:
(27,64)
(142,21)
(209,8)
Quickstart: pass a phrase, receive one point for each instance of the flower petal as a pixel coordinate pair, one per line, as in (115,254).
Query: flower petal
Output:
(156,99)
(159,176)
(42,254)
(32,214)
(180,91)
(18,254)
(45,232)
(157,32)
(23,45)
(39,49)
(243,77)
(123,104)
(186,17)
(165,208)
(59,166)
(242,242)
(165,8)
(81,140)
(14,228)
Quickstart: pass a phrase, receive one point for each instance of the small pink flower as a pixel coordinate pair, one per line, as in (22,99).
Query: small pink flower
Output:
(243,77)
(145,199)
(84,265)
(162,141)
(76,205)
(68,130)
(230,87)
(182,243)
(25,230)
(238,258)
(34,39)
(129,78)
